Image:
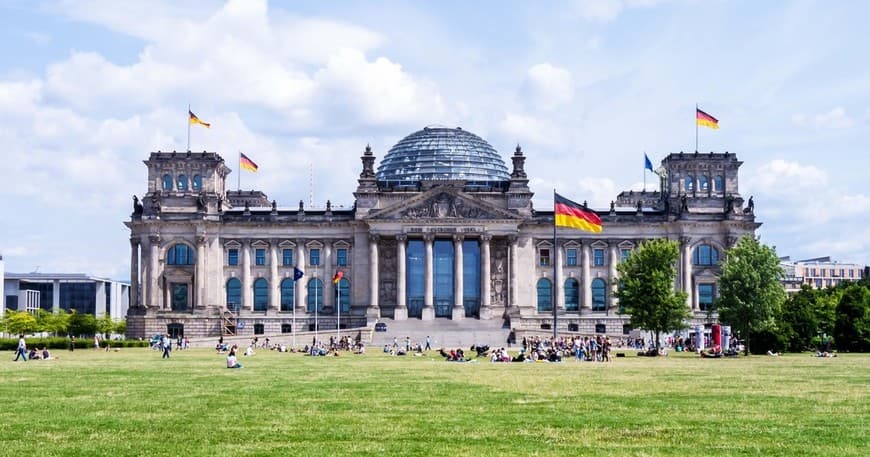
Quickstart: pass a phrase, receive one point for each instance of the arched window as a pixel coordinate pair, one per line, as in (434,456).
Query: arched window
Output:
(167,182)
(572,295)
(261,294)
(287,288)
(196,184)
(179,254)
(706,255)
(689,183)
(545,295)
(234,294)
(182,182)
(718,184)
(344,295)
(315,295)
(703,184)
(599,295)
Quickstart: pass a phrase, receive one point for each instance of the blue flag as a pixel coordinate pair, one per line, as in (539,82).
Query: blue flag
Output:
(297,274)
(647,164)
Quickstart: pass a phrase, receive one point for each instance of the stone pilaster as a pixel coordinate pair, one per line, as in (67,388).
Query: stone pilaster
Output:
(374,309)
(154,271)
(247,288)
(401,311)
(201,275)
(429,280)
(134,272)
(274,280)
(587,279)
(485,279)
(458,289)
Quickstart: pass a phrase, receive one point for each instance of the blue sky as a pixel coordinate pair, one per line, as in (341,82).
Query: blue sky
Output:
(89,88)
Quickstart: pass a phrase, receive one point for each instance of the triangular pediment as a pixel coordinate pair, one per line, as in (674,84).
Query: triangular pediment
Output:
(443,205)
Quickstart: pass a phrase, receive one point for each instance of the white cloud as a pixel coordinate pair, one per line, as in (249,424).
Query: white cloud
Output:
(547,86)
(530,129)
(833,120)
(781,177)
(39,38)
(608,10)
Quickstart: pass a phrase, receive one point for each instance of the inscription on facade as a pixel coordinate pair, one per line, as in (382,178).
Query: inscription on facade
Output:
(443,230)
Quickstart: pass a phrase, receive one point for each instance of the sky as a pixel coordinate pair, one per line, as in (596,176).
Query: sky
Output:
(89,88)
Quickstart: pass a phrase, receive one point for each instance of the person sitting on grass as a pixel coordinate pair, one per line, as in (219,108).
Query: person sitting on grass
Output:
(773,354)
(231,359)
(33,355)
(45,354)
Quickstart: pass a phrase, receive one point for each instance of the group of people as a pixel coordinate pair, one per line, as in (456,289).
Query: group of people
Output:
(21,352)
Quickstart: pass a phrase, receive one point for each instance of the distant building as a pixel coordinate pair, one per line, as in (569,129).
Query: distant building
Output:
(2,293)
(818,273)
(59,291)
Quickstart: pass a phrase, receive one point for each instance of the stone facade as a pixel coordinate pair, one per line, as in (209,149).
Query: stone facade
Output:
(197,249)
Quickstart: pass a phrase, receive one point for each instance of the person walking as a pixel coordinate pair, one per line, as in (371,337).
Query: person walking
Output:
(22,349)
(72,343)
(428,345)
(167,346)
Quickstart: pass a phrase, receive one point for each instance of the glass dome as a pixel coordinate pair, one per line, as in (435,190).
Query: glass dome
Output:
(441,153)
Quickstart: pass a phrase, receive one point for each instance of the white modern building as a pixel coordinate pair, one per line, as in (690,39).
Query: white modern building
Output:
(69,292)
(819,272)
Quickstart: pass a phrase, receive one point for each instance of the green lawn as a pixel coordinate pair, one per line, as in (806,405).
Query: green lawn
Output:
(131,402)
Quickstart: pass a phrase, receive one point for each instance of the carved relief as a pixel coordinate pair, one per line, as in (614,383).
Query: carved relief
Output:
(445,206)
(387,271)
(498,273)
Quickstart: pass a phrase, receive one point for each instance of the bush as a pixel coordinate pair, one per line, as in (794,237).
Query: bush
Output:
(10,344)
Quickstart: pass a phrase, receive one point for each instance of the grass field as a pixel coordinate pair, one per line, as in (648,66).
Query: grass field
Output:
(133,403)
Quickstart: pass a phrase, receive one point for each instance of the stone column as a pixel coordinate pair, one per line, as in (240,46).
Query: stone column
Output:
(201,275)
(247,288)
(134,272)
(514,248)
(144,268)
(429,280)
(401,311)
(458,289)
(485,279)
(687,271)
(587,280)
(301,286)
(328,287)
(274,286)
(55,297)
(613,281)
(558,281)
(154,273)
(374,309)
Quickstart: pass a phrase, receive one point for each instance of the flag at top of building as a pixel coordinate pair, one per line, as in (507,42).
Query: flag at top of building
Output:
(702,118)
(573,215)
(196,120)
(647,164)
(247,164)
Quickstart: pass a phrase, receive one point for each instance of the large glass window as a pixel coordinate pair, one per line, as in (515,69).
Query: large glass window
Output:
(706,294)
(344,295)
(689,183)
(599,295)
(78,296)
(545,295)
(703,184)
(182,182)
(415,265)
(571,257)
(260,257)
(544,258)
(572,295)
(196,184)
(706,255)
(471,277)
(598,257)
(179,254)
(167,182)
(233,257)
(179,296)
(287,257)
(261,294)
(623,254)
(288,287)
(234,294)
(341,257)
(315,295)
(443,277)
(314,256)
(718,184)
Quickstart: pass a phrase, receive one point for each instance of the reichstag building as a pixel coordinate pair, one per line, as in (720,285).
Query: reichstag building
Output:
(442,228)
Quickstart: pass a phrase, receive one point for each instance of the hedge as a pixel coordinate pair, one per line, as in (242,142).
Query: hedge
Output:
(11,344)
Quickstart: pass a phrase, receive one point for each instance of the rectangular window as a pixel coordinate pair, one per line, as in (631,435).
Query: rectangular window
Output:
(545,258)
(706,293)
(260,256)
(818,283)
(572,257)
(287,255)
(623,254)
(314,257)
(851,273)
(341,257)
(598,257)
(233,257)
(842,272)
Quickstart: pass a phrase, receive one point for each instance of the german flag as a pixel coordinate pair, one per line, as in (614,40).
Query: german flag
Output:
(573,215)
(337,278)
(246,163)
(196,120)
(706,120)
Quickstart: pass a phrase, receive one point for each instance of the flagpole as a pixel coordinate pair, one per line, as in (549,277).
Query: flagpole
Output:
(555,257)
(644,171)
(338,320)
(188,127)
(696,127)
(315,304)
(240,173)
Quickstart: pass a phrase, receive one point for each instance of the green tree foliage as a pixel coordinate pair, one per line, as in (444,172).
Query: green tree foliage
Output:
(646,289)
(120,327)
(55,324)
(19,322)
(852,329)
(750,292)
(799,321)
(105,325)
(82,324)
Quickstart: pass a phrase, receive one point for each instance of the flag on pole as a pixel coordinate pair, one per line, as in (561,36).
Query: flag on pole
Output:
(297,274)
(196,120)
(647,165)
(573,215)
(247,164)
(337,278)
(705,119)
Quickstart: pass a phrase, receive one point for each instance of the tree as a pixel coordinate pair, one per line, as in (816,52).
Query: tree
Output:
(646,288)
(852,330)
(105,325)
(120,327)
(19,322)
(799,321)
(82,324)
(750,292)
(52,323)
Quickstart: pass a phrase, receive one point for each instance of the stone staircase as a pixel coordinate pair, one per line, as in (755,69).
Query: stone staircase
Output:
(442,333)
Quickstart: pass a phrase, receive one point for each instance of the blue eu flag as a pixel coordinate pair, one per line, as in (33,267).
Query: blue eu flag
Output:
(647,164)
(297,274)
